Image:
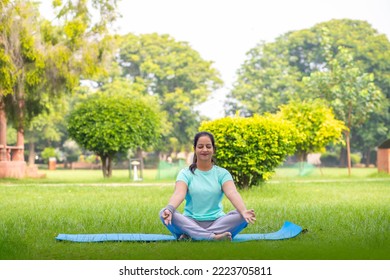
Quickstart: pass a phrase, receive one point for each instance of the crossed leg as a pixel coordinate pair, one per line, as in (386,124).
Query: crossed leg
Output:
(225,227)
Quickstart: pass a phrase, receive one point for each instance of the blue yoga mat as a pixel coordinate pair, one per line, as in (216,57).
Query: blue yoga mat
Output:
(288,230)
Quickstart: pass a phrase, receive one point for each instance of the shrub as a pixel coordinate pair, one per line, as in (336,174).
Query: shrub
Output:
(316,124)
(355,158)
(251,148)
(47,153)
(329,159)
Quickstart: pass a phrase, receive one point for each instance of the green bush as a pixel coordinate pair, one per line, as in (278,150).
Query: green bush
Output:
(47,153)
(330,159)
(356,158)
(251,148)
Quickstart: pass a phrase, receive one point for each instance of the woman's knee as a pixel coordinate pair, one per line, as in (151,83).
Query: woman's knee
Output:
(161,214)
(236,214)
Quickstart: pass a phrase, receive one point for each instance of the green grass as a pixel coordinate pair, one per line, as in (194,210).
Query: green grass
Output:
(347,217)
(83,176)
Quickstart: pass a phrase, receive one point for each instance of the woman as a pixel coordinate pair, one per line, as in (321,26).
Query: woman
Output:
(203,185)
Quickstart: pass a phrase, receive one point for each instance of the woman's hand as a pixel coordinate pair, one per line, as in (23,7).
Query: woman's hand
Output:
(174,202)
(167,216)
(249,216)
(232,194)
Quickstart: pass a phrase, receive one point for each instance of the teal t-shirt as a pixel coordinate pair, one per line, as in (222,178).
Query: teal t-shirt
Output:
(204,194)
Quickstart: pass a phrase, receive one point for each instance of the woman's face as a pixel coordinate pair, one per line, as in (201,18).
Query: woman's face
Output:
(204,149)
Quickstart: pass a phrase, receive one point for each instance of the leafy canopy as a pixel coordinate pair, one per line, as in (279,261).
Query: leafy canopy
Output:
(173,72)
(273,72)
(315,123)
(115,123)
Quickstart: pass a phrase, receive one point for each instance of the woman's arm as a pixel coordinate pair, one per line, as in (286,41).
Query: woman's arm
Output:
(176,199)
(235,198)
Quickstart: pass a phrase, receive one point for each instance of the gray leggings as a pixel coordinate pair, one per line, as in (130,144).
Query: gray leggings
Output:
(232,222)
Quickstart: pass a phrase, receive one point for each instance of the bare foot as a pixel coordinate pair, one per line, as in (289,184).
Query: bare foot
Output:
(223,236)
(184,237)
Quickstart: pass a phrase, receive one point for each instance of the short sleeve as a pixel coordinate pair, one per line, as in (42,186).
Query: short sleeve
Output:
(225,176)
(183,176)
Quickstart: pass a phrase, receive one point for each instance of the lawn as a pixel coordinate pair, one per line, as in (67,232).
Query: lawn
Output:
(346,217)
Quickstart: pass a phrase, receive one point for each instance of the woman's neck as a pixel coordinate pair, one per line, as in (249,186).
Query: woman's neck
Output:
(204,166)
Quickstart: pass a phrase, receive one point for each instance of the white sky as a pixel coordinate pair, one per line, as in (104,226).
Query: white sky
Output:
(224,30)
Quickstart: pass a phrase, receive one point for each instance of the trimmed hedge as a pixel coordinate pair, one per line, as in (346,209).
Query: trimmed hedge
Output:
(251,148)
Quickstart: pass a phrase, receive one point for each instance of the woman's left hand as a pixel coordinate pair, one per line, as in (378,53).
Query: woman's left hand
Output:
(249,216)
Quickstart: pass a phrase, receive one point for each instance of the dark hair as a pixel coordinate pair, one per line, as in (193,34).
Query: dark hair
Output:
(196,138)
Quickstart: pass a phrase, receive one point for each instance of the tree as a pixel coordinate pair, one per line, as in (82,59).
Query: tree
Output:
(316,125)
(22,61)
(369,136)
(251,148)
(372,57)
(352,94)
(110,123)
(41,59)
(273,73)
(265,81)
(173,72)
(47,128)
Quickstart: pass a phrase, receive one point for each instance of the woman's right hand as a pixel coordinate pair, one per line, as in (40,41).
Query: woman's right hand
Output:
(174,202)
(167,216)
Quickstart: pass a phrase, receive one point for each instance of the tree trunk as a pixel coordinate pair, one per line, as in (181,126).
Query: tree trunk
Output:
(302,158)
(106,166)
(109,167)
(368,157)
(19,154)
(343,157)
(347,138)
(140,156)
(31,152)
(3,131)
